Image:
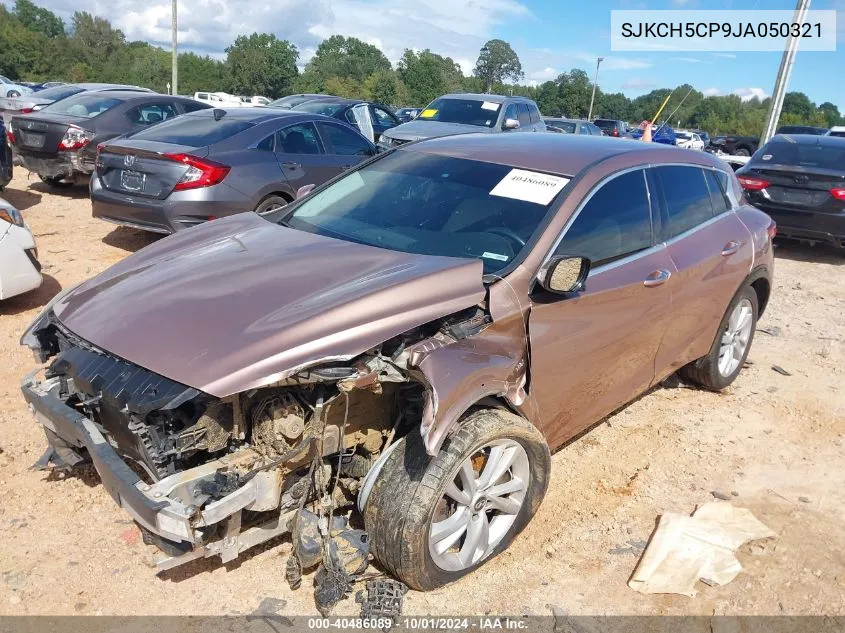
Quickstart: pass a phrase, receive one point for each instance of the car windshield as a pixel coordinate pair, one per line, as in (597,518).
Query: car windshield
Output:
(328,108)
(566,126)
(683,136)
(433,205)
(466,111)
(86,105)
(59,92)
(837,133)
(810,154)
(197,130)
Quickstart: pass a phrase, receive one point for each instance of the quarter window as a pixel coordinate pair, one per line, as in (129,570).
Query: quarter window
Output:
(717,193)
(345,142)
(686,199)
(615,222)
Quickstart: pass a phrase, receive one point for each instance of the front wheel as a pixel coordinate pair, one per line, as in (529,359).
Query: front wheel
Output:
(270,204)
(742,152)
(433,520)
(722,364)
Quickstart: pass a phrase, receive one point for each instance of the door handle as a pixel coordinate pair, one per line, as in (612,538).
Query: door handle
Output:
(657,278)
(730,248)
(291,165)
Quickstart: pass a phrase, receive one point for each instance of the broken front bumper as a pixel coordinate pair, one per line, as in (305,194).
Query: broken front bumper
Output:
(163,508)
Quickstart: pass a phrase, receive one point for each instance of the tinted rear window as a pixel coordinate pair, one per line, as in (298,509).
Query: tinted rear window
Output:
(809,153)
(566,126)
(686,197)
(86,105)
(320,107)
(197,131)
(59,92)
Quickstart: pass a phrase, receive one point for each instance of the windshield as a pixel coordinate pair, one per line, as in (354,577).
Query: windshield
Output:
(566,126)
(465,111)
(329,108)
(433,205)
(59,92)
(809,154)
(86,105)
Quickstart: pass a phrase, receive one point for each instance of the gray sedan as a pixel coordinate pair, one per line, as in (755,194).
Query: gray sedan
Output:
(214,163)
(572,126)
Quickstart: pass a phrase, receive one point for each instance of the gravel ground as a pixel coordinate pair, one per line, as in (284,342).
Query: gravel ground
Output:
(772,443)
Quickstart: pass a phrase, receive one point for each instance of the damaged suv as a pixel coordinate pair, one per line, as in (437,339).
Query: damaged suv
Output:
(409,340)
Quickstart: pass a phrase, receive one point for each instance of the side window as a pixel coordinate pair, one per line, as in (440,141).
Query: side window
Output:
(193,106)
(584,129)
(350,117)
(534,113)
(686,198)
(345,142)
(267,144)
(717,193)
(511,112)
(298,139)
(614,222)
(150,114)
(524,117)
(382,117)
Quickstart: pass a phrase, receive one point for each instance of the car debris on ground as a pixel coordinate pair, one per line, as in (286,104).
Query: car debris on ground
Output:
(685,549)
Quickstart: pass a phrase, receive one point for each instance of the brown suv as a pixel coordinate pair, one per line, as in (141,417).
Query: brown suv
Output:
(412,339)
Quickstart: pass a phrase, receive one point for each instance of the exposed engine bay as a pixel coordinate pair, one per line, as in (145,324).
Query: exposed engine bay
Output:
(206,476)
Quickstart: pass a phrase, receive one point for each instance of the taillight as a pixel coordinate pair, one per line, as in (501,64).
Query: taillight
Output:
(26,110)
(201,172)
(752,184)
(838,193)
(100,147)
(615,132)
(75,138)
(772,229)
(10,136)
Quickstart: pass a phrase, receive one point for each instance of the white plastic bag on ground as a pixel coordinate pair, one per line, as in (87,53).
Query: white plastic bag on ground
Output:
(687,548)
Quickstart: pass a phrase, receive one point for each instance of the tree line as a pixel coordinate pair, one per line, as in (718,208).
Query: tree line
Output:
(36,45)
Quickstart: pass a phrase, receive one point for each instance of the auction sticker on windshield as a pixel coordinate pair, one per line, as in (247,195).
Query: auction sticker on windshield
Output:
(427,114)
(530,186)
(489,105)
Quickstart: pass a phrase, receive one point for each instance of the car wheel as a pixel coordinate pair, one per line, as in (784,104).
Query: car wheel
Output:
(742,152)
(55,182)
(433,520)
(270,204)
(720,367)
(13,93)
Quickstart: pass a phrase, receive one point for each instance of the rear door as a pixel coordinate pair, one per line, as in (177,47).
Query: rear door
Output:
(710,248)
(346,148)
(302,156)
(595,351)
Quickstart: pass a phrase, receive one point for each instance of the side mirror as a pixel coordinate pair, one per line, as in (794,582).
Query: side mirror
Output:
(510,124)
(563,275)
(304,191)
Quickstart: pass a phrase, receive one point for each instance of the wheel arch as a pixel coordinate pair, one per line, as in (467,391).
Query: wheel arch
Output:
(760,281)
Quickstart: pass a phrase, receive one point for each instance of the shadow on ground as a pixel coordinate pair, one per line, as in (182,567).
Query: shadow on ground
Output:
(129,239)
(805,252)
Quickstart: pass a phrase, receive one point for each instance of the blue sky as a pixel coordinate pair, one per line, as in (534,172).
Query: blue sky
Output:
(550,36)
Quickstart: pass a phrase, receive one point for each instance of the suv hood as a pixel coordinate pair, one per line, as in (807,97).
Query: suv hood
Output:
(239,303)
(417,130)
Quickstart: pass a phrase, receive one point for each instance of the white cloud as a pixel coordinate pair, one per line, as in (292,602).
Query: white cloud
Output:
(687,60)
(749,93)
(613,62)
(547,74)
(712,92)
(639,84)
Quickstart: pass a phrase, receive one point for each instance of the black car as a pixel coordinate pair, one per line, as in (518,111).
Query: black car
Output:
(734,145)
(612,127)
(5,158)
(802,129)
(407,114)
(59,143)
(381,117)
(799,180)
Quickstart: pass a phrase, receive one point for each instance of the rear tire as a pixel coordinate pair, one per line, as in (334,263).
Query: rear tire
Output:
(734,336)
(55,182)
(270,204)
(410,496)
(13,93)
(742,152)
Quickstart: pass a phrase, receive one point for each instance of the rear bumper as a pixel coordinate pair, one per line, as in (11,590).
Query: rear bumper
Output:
(158,507)
(807,225)
(63,165)
(166,216)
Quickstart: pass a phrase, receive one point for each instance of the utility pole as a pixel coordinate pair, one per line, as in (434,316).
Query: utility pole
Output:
(784,71)
(599,60)
(175,67)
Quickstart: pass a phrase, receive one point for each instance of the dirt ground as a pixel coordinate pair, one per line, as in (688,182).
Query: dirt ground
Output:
(773,443)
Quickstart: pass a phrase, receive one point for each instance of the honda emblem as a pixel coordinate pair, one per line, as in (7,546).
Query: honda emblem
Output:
(128,160)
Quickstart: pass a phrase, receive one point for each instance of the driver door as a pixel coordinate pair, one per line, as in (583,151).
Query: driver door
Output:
(595,351)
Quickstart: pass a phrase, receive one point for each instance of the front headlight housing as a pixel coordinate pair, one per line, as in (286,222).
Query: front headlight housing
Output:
(11,215)
(385,141)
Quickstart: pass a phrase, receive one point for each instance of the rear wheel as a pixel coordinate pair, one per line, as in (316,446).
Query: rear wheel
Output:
(722,364)
(433,520)
(742,152)
(13,93)
(56,182)
(270,204)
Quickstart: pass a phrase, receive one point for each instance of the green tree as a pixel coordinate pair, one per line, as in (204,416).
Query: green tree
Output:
(612,106)
(347,57)
(261,64)
(496,62)
(96,44)
(427,75)
(383,87)
(574,90)
(38,19)
(830,113)
(799,104)
(198,73)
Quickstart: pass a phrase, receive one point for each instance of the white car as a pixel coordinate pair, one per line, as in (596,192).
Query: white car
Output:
(9,88)
(19,267)
(219,99)
(690,140)
(836,130)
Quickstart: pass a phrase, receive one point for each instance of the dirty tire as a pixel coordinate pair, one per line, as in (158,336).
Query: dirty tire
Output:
(705,370)
(401,505)
(55,182)
(742,152)
(270,204)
